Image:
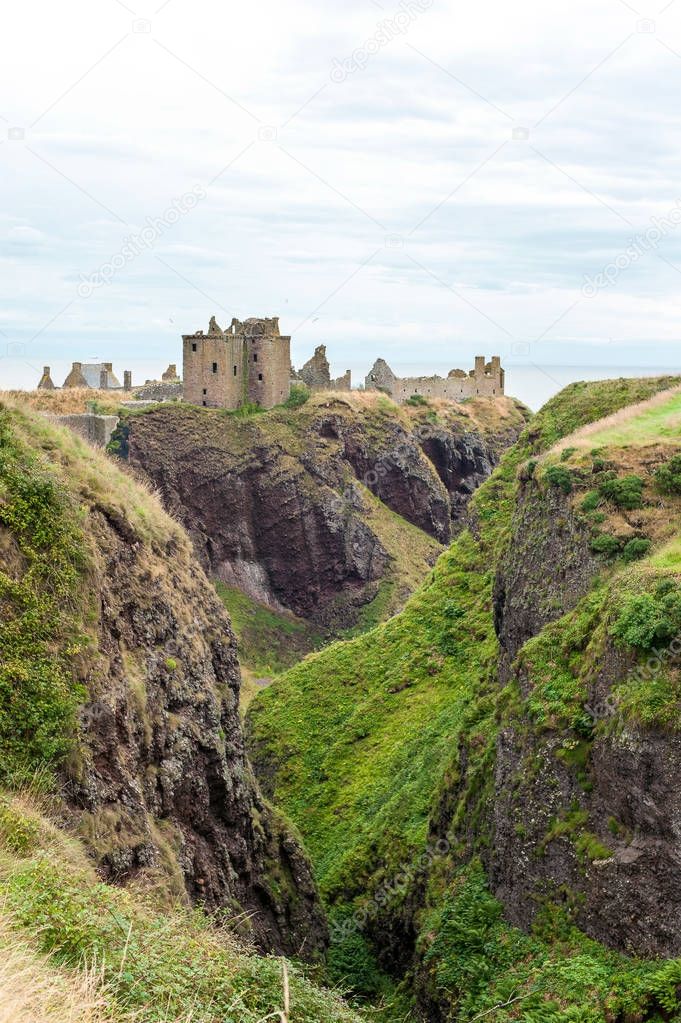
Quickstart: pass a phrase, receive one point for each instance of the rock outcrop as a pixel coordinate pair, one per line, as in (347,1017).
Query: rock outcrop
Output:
(282,504)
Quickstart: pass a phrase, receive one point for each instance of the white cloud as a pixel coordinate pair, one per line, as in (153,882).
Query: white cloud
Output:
(308,178)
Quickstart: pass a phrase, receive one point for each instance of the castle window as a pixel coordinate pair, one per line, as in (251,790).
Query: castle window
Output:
(235,371)
(215,367)
(205,403)
(194,346)
(255,357)
(259,376)
(205,391)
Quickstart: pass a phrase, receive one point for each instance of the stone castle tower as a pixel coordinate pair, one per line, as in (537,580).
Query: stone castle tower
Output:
(249,361)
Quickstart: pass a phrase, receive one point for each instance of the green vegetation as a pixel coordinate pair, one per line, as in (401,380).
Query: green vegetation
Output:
(553,975)
(153,967)
(559,476)
(363,740)
(588,401)
(591,502)
(636,549)
(416,400)
(657,423)
(651,618)
(623,491)
(668,477)
(39,634)
(269,641)
(609,546)
(299,395)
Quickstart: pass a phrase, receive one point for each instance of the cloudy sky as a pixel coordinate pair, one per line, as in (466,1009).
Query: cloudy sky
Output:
(419,180)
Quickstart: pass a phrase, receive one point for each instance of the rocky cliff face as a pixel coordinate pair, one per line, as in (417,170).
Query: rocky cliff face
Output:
(584,804)
(283,504)
(157,780)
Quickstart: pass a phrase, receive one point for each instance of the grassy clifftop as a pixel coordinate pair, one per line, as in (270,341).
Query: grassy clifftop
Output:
(384,750)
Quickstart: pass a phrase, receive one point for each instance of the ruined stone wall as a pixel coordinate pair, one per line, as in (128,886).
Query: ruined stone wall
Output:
(316,375)
(486,379)
(93,428)
(343,383)
(155,391)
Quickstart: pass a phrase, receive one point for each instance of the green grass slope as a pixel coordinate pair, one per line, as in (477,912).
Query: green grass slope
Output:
(359,742)
(128,960)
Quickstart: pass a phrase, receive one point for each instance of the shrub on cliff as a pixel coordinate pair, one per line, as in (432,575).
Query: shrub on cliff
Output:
(559,476)
(636,549)
(650,619)
(299,395)
(668,477)
(624,491)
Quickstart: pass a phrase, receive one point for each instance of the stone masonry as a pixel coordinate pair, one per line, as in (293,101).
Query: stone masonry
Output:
(249,361)
(316,374)
(97,375)
(46,383)
(486,379)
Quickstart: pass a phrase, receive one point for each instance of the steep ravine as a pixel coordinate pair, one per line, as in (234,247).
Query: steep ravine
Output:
(118,671)
(333,510)
(513,851)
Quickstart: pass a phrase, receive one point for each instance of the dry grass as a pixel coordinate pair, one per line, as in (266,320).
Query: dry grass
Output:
(33,991)
(70,401)
(98,480)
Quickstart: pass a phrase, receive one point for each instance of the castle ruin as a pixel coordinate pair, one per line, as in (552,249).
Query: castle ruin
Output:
(46,383)
(249,361)
(95,375)
(316,374)
(88,375)
(486,379)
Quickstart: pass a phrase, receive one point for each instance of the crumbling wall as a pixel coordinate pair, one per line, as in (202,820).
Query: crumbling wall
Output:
(316,374)
(486,379)
(155,391)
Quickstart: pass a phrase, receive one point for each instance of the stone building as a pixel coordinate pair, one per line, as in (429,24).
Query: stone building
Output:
(316,374)
(46,383)
(97,375)
(486,379)
(249,361)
